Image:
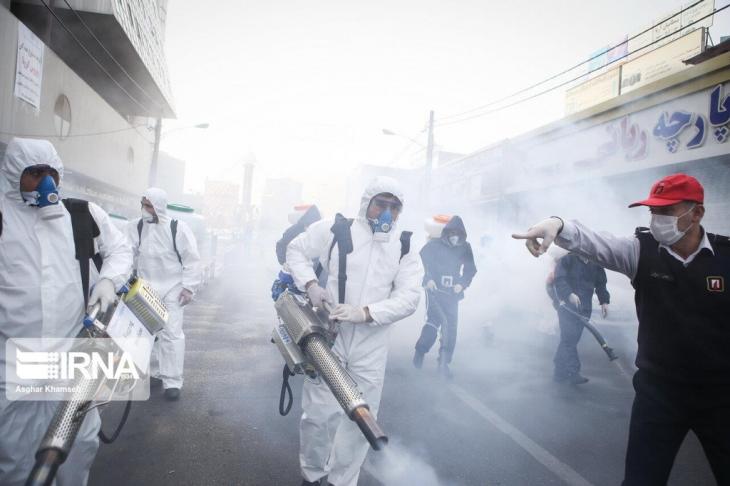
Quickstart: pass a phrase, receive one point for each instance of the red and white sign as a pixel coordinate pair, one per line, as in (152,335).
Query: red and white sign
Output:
(29,67)
(716,284)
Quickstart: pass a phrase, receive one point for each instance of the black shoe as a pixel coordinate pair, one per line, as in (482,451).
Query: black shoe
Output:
(577,379)
(418,360)
(155,382)
(309,483)
(172,394)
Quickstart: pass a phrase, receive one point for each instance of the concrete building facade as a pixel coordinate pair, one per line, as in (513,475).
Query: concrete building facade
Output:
(104,78)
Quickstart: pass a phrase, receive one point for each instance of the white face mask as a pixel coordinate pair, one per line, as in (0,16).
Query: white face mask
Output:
(664,228)
(454,240)
(147,217)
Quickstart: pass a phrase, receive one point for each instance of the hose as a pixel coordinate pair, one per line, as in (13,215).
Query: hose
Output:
(592,329)
(285,389)
(108,440)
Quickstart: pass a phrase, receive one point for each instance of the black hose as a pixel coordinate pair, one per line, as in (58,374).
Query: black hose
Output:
(592,329)
(122,421)
(285,389)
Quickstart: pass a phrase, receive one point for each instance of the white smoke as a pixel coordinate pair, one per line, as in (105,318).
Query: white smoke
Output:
(397,465)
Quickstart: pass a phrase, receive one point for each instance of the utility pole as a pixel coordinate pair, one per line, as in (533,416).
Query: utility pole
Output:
(155,153)
(429,157)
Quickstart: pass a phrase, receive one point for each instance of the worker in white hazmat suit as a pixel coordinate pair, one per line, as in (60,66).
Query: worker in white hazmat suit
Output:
(382,286)
(167,257)
(41,296)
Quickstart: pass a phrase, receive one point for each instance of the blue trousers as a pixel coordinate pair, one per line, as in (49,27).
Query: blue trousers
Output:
(566,358)
(442,314)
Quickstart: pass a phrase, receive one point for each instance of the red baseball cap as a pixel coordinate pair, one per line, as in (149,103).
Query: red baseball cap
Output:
(673,189)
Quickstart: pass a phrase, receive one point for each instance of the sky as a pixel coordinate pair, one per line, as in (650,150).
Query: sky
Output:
(308,86)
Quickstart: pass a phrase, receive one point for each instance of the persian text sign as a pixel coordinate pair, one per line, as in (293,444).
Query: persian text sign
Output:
(592,92)
(29,67)
(661,62)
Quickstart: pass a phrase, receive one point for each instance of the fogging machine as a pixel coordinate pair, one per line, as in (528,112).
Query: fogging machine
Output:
(146,305)
(304,339)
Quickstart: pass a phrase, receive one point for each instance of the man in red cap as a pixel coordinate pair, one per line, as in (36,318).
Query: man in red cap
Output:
(680,274)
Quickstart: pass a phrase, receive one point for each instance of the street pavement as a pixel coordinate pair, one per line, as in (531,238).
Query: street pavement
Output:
(500,421)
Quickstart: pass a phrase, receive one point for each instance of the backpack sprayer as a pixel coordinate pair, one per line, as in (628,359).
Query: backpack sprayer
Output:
(304,339)
(144,303)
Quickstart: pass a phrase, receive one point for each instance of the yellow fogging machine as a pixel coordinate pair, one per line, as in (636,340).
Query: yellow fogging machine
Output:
(146,305)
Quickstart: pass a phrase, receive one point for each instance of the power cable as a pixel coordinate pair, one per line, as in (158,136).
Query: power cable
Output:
(494,110)
(111,56)
(504,98)
(96,61)
(34,135)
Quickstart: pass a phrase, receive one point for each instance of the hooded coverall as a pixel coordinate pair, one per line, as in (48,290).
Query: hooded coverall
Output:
(41,296)
(157,262)
(330,444)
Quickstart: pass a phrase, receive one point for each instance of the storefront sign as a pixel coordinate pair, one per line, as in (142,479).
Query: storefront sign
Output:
(597,90)
(661,62)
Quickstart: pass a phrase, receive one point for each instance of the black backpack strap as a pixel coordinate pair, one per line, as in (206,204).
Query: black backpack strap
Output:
(343,240)
(405,243)
(173,228)
(139,232)
(84,230)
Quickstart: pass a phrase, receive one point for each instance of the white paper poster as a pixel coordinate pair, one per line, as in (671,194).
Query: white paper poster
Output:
(131,336)
(29,68)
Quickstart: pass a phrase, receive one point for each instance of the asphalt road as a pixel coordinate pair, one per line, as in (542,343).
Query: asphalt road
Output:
(501,421)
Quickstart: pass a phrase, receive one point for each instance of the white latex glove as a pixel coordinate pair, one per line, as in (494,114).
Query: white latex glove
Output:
(185,297)
(317,295)
(431,285)
(458,288)
(604,310)
(104,293)
(575,300)
(349,313)
(546,230)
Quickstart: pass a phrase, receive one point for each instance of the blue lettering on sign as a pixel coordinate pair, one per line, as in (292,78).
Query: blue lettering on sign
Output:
(669,128)
(719,107)
(699,138)
(719,114)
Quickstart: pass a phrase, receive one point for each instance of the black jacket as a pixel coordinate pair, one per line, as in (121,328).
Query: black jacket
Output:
(573,276)
(440,259)
(684,328)
(310,216)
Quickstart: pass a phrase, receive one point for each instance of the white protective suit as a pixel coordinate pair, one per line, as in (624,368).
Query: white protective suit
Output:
(157,262)
(330,443)
(41,296)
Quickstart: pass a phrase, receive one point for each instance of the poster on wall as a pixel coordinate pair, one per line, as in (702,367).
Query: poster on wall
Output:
(29,68)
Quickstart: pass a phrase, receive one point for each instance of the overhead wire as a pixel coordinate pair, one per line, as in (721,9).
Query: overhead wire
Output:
(545,91)
(91,56)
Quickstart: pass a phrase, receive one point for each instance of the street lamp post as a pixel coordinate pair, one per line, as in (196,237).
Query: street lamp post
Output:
(155,153)
(152,178)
